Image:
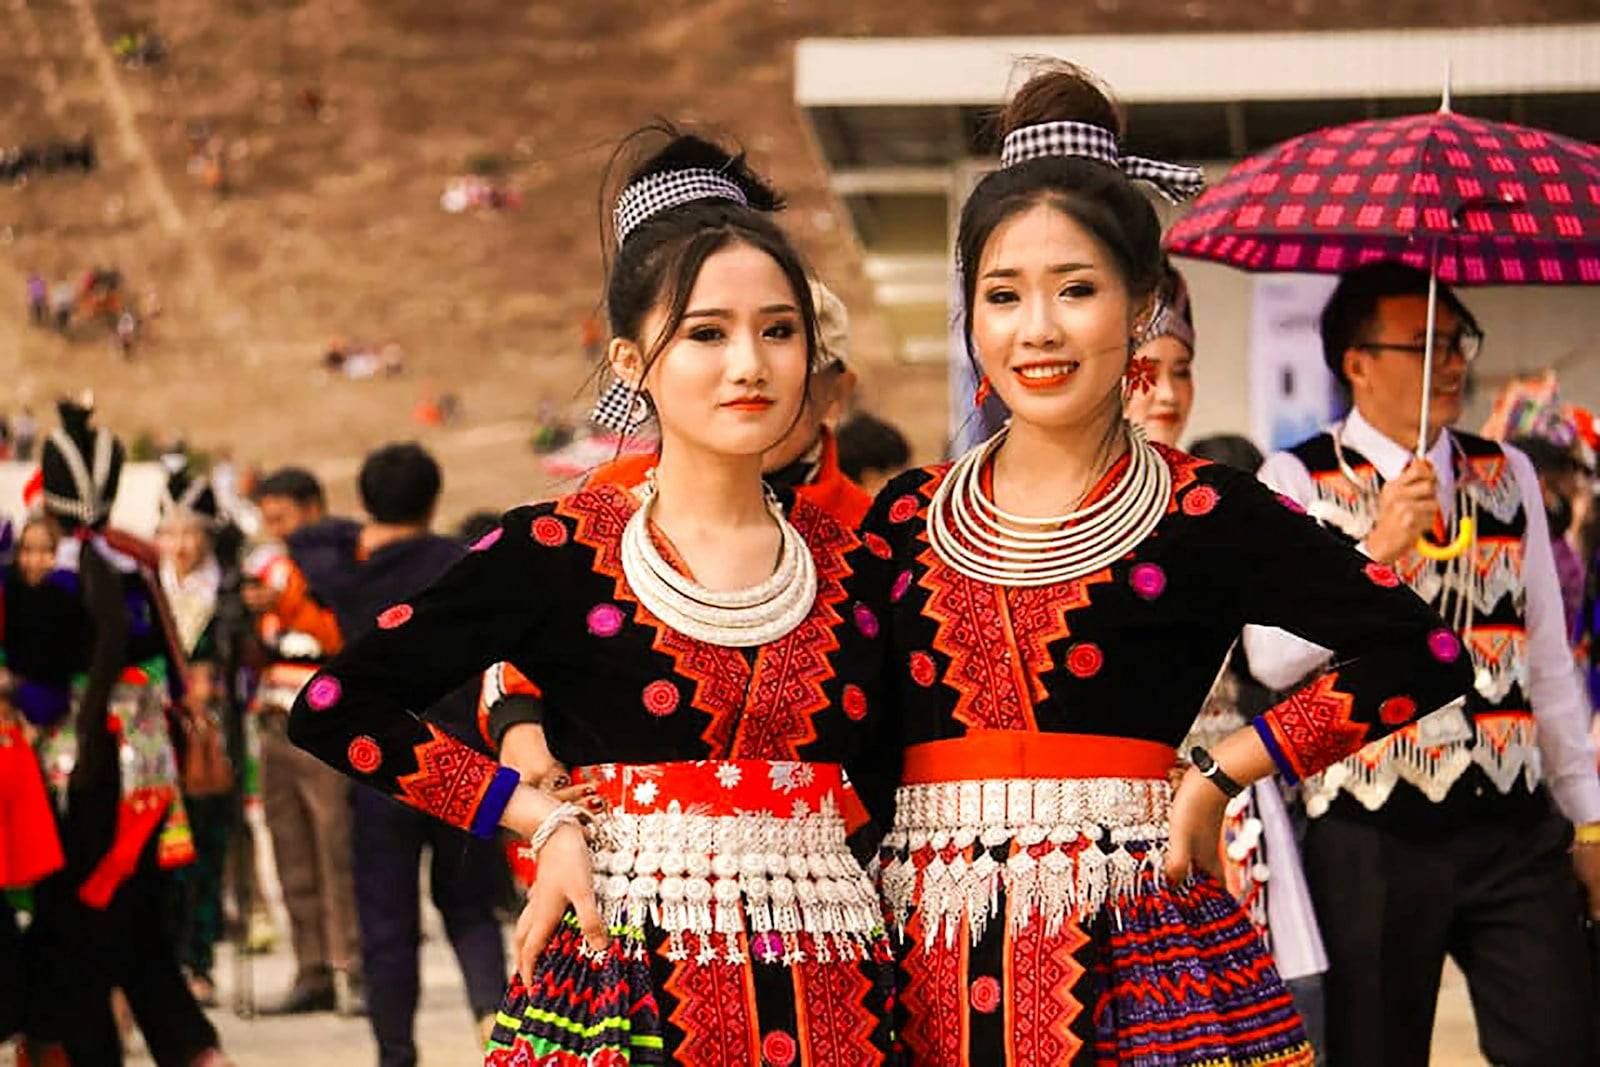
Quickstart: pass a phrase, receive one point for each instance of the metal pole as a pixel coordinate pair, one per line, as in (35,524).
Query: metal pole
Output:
(1428,348)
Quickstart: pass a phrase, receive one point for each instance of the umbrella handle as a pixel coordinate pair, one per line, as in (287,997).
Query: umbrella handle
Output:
(1443,553)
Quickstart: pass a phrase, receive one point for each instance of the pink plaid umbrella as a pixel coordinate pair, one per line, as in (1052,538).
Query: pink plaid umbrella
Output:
(1470,201)
(1478,202)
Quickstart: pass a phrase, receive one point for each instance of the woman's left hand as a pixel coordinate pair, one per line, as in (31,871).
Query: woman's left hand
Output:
(1194,829)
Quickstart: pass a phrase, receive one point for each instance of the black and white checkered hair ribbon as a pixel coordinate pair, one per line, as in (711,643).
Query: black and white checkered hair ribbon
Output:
(670,188)
(1176,183)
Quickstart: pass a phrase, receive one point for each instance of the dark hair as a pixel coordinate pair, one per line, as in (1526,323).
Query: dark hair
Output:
(1230,449)
(867,443)
(1096,195)
(400,484)
(476,526)
(1548,458)
(1350,310)
(295,483)
(663,255)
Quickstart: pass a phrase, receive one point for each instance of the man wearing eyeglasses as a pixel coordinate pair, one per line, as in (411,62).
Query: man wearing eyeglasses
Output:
(1453,836)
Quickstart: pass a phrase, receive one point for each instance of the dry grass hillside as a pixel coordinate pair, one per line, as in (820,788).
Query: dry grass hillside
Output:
(332,223)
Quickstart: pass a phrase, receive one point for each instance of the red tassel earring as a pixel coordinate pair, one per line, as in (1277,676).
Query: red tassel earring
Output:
(984,391)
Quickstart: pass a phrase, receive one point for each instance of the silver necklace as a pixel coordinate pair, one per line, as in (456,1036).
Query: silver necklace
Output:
(736,618)
(975,537)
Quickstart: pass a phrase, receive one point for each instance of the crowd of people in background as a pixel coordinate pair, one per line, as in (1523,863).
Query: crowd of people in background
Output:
(264,647)
(20,163)
(98,300)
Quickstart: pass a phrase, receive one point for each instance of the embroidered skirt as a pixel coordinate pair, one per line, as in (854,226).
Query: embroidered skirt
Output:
(743,930)
(1035,927)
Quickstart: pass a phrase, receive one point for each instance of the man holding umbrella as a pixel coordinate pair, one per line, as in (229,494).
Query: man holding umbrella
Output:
(1443,839)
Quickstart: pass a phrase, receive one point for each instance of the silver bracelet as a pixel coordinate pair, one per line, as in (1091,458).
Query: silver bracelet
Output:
(566,814)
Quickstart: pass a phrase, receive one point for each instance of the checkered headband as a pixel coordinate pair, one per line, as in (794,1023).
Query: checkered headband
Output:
(1176,183)
(655,193)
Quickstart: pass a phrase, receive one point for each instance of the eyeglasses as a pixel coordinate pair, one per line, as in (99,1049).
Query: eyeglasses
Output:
(1465,343)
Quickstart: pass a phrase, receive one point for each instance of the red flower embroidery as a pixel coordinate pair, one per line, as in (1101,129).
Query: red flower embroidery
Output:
(605,620)
(877,546)
(395,617)
(1148,580)
(1397,711)
(866,621)
(985,994)
(855,702)
(923,671)
(1445,646)
(549,531)
(1085,660)
(903,509)
(1200,500)
(779,1049)
(364,754)
(660,698)
(323,693)
(1382,575)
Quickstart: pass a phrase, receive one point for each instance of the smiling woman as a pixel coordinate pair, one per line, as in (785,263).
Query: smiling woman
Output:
(1065,595)
(1163,399)
(705,670)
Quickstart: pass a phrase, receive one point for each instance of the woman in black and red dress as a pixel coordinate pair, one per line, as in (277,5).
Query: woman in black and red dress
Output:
(1060,600)
(703,670)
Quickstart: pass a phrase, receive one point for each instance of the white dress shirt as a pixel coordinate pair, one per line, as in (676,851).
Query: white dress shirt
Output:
(1560,708)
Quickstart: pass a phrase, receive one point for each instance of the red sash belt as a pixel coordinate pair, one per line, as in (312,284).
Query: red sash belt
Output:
(717,787)
(1026,754)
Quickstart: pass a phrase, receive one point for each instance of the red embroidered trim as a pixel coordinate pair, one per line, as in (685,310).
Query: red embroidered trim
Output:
(1039,619)
(997,639)
(716,1010)
(790,673)
(1183,468)
(449,781)
(936,979)
(719,674)
(835,1022)
(1314,728)
(1041,970)
(972,631)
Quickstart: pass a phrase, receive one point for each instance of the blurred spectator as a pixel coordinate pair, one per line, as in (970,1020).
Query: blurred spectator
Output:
(63,297)
(477,526)
(38,300)
(871,451)
(306,803)
(1563,479)
(398,556)
(1230,449)
(24,434)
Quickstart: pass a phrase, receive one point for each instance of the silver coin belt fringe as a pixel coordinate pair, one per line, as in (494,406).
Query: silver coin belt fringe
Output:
(1059,847)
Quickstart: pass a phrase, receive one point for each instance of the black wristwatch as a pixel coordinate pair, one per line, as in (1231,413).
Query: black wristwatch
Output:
(1212,772)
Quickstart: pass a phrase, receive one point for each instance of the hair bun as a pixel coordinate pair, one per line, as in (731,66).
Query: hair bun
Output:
(686,150)
(1059,91)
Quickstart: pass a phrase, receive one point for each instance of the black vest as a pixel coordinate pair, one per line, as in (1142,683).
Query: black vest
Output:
(1480,760)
